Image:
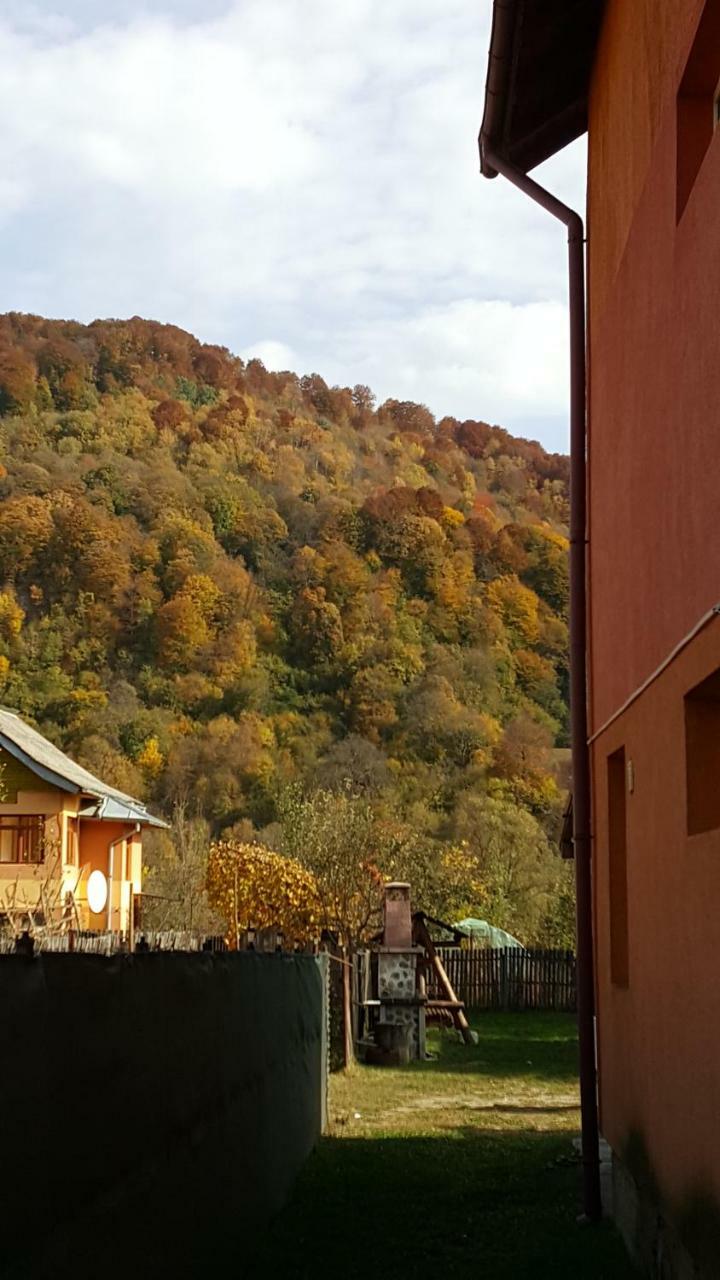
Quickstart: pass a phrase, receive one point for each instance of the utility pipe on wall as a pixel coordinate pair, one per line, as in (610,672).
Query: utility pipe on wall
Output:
(578,672)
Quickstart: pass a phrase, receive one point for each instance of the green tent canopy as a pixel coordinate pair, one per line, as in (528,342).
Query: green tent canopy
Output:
(487,935)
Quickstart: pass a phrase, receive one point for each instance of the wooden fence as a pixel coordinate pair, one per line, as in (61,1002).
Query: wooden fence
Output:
(509,978)
(106,944)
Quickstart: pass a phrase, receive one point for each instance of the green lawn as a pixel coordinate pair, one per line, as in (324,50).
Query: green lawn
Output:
(462,1165)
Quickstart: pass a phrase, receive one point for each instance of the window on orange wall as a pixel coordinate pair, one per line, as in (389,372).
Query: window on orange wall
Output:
(702,755)
(22,839)
(617,852)
(697,102)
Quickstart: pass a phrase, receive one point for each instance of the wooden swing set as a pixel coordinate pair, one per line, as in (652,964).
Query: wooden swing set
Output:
(448,1009)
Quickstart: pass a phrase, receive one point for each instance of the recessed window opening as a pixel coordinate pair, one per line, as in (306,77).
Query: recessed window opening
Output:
(698,110)
(617,849)
(21,839)
(702,755)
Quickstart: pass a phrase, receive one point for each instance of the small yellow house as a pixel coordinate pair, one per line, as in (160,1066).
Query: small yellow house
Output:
(70,846)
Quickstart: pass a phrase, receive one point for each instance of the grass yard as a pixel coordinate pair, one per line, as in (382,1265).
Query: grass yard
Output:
(462,1165)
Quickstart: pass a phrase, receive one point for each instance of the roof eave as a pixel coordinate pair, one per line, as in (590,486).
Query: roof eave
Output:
(555,134)
(106,803)
(41,771)
(109,810)
(559,123)
(498,81)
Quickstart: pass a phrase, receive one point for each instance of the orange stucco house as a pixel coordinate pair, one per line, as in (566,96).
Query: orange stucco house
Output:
(642,77)
(58,825)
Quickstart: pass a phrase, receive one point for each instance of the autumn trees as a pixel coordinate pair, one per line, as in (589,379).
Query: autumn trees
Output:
(252,887)
(223,584)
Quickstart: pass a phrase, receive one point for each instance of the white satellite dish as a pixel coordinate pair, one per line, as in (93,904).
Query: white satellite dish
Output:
(97,892)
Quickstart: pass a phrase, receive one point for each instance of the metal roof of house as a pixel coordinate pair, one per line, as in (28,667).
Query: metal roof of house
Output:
(58,770)
(539,65)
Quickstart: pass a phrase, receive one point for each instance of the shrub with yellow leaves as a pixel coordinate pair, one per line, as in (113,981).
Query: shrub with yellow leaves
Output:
(150,759)
(11,616)
(253,888)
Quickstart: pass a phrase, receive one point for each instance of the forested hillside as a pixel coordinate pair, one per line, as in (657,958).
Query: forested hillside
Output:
(229,590)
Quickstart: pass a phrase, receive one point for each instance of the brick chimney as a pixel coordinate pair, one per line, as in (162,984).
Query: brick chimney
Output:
(398,922)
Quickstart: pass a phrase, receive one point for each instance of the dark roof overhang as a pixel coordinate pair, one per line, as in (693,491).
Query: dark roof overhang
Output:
(539,66)
(46,774)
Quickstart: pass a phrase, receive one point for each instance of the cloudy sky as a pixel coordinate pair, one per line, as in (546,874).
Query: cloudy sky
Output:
(295,179)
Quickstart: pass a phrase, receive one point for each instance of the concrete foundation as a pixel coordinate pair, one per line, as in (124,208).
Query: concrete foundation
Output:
(651,1237)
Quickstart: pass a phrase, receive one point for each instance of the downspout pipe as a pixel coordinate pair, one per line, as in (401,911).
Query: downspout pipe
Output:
(592,1204)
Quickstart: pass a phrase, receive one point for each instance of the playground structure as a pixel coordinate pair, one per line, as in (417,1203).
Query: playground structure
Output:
(393,1002)
(449,1009)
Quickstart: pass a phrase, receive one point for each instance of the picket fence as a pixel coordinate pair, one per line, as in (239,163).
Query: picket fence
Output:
(509,978)
(107,944)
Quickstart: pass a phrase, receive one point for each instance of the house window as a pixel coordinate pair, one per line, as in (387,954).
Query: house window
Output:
(617,846)
(702,755)
(697,102)
(21,839)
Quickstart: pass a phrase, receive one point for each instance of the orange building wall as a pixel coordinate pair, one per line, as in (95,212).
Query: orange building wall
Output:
(95,838)
(659,1038)
(654,555)
(654,366)
(22,884)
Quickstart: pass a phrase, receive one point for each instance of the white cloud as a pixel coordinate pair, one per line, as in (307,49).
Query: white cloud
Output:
(276,356)
(298,177)
(509,360)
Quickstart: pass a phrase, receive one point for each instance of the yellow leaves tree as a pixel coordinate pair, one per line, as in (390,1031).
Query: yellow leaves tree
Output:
(187,548)
(252,887)
(452,587)
(181,630)
(446,881)
(26,527)
(185,623)
(150,759)
(234,653)
(452,518)
(204,593)
(517,606)
(11,617)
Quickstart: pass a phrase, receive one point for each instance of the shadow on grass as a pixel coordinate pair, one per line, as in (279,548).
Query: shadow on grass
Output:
(509,1108)
(509,1044)
(398,1208)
